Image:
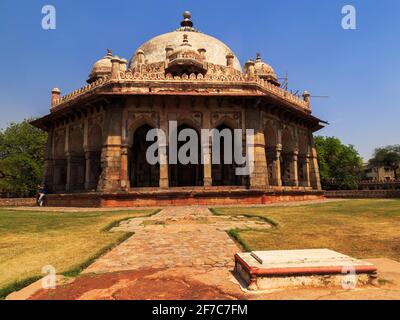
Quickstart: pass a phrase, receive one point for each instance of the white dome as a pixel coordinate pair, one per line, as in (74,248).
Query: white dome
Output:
(216,50)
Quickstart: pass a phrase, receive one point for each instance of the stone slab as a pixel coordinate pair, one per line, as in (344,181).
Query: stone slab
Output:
(300,259)
(263,270)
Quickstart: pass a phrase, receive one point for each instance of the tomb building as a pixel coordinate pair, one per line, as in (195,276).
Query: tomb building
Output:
(96,150)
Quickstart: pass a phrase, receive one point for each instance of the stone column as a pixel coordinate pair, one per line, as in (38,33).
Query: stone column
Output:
(69,160)
(90,178)
(88,156)
(207,165)
(259,176)
(294,176)
(125,183)
(68,185)
(276,172)
(306,171)
(314,167)
(88,170)
(164,167)
(314,172)
(125,179)
(206,152)
(110,178)
(48,170)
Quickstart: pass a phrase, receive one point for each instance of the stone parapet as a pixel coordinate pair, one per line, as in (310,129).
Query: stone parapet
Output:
(129,79)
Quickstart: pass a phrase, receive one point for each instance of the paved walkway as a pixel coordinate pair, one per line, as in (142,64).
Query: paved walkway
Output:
(185,253)
(176,237)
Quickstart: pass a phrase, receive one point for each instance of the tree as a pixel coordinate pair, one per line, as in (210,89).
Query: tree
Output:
(340,165)
(388,156)
(22,149)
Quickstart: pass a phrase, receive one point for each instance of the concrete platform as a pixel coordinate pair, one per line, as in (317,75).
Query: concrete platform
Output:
(264,270)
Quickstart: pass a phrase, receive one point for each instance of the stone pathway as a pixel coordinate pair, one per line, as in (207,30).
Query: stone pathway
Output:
(185,253)
(176,237)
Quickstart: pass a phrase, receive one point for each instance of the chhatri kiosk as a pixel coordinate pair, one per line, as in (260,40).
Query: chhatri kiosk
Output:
(96,150)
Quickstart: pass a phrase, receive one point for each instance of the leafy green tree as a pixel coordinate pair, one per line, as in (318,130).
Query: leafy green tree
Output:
(388,156)
(340,165)
(22,148)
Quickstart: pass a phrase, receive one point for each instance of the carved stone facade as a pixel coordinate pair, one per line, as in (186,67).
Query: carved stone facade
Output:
(97,133)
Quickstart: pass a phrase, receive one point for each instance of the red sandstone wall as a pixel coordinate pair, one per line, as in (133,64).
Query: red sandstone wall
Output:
(17,202)
(363,194)
(115,200)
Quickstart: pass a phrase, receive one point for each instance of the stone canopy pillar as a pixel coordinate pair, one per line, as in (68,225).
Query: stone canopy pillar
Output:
(125,183)
(294,176)
(164,167)
(306,171)
(164,173)
(314,170)
(206,152)
(276,170)
(259,176)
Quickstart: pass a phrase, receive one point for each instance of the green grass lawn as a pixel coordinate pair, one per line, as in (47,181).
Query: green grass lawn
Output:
(359,228)
(67,241)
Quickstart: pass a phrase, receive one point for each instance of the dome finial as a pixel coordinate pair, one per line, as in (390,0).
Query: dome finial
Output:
(109,53)
(187,22)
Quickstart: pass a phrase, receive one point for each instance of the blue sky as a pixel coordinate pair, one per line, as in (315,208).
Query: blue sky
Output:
(358,69)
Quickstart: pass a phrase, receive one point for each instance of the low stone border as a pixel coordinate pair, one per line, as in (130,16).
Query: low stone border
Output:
(363,194)
(17,202)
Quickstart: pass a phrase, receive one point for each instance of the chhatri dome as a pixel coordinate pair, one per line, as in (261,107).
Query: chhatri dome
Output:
(103,67)
(155,49)
(265,71)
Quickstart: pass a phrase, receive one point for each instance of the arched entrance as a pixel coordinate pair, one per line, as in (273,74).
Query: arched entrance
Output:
(142,173)
(187,175)
(224,173)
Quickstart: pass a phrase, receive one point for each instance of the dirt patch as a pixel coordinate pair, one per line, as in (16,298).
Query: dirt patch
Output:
(133,285)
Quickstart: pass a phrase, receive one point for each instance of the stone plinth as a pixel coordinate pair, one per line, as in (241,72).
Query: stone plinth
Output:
(181,196)
(265,270)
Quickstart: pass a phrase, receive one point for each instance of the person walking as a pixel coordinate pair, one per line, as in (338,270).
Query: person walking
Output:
(42,195)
